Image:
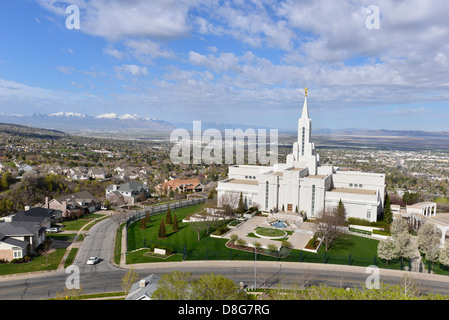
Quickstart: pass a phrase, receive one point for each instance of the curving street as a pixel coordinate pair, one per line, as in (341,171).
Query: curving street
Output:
(106,276)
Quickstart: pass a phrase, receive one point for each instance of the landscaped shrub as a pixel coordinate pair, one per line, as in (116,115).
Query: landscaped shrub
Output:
(21,260)
(162,232)
(221,230)
(241,242)
(313,243)
(365,222)
(286,244)
(168,219)
(168,250)
(175,226)
(143,224)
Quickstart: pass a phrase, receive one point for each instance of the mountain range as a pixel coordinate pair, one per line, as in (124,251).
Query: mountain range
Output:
(75,122)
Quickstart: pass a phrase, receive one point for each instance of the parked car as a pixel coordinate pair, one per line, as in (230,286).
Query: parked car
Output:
(52,230)
(92,260)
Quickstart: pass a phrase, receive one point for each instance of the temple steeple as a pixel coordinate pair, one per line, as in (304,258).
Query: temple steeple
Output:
(303,149)
(305,109)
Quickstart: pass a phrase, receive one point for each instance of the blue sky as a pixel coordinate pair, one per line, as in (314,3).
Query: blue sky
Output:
(243,62)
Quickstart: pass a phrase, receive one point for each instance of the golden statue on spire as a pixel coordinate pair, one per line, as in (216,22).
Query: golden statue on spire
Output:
(305,89)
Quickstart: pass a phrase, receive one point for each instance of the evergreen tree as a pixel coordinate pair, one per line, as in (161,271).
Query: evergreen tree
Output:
(168,218)
(241,206)
(340,212)
(388,214)
(175,223)
(162,232)
(147,216)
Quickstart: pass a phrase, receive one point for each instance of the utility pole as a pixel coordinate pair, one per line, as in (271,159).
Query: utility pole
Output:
(255,265)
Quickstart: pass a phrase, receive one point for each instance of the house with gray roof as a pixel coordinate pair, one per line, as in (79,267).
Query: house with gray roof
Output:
(21,233)
(130,191)
(144,288)
(75,204)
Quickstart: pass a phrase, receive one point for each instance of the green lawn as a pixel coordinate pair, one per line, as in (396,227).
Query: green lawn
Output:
(37,264)
(348,250)
(138,238)
(269,232)
(75,225)
(356,246)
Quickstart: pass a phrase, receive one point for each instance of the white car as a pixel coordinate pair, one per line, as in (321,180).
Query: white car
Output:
(52,230)
(92,260)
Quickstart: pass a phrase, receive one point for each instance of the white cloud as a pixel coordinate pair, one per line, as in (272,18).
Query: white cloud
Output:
(114,20)
(222,63)
(322,44)
(65,70)
(132,69)
(109,50)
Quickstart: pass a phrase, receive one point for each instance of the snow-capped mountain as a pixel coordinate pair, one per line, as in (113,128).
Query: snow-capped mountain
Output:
(68,114)
(73,121)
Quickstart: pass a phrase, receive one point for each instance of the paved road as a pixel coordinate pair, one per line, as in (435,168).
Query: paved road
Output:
(106,277)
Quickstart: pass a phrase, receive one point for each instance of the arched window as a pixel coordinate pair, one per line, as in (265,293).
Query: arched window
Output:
(267,190)
(313,200)
(303,140)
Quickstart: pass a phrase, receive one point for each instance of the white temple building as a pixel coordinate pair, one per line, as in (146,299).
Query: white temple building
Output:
(302,184)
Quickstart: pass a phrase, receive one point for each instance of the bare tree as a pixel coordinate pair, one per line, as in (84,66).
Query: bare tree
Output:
(328,227)
(409,287)
(46,250)
(198,226)
(120,217)
(128,280)
(228,202)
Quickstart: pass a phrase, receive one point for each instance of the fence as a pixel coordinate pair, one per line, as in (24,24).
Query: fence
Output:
(191,253)
(153,210)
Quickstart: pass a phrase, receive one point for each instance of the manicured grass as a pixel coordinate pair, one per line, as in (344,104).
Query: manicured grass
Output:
(75,225)
(350,244)
(37,264)
(61,236)
(138,238)
(268,232)
(348,250)
(70,257)
(118,244)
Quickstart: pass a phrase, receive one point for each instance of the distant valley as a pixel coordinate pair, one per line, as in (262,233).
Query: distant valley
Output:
(137,127)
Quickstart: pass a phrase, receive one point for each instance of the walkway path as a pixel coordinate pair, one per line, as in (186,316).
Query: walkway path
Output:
(75,243)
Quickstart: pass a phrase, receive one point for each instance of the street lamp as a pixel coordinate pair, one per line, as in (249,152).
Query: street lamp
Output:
(255,264)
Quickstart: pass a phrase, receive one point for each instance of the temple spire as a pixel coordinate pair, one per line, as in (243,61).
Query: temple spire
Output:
(305,109)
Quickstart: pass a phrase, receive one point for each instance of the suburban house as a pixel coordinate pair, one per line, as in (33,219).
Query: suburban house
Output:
(188,186)
(96,173)
(21,233)
(74,205)
(131,191)
(144,288)
(23,168)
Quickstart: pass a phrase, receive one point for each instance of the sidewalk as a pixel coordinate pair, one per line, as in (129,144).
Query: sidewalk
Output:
(75,243)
